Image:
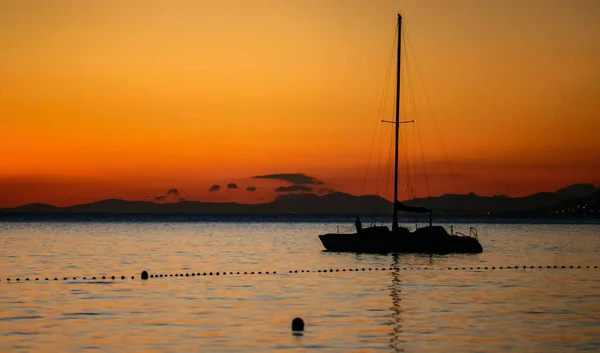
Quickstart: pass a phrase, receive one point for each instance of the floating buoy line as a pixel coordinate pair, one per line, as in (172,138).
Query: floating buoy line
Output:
(145,275)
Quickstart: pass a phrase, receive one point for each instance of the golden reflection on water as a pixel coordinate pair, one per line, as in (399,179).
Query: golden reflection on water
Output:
(532,310)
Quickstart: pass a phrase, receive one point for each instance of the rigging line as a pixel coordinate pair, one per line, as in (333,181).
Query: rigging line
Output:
(381,101)
(415,115)
(389,164)
(379,161)
(432,114)
(423,160)
(414,151)
(409,108)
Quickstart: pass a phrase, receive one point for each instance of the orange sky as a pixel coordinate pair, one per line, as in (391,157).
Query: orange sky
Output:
(128,99)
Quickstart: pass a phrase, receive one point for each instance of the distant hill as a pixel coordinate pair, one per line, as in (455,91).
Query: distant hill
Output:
(472,204)
(334,203)
(588,206)
(338,203)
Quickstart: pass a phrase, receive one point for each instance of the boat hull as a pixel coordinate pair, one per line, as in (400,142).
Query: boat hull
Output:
(430,240)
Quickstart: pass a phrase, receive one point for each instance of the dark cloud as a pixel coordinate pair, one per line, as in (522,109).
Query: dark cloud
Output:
(251,188)
(325,191)
(293,188)
(232,186)
(214,188)
(171,195)
(294,178)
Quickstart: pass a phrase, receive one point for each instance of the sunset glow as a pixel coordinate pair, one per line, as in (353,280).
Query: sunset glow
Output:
(130,99)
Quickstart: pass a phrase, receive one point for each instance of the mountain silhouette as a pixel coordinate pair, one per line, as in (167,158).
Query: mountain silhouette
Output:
(335,203)
(578,206)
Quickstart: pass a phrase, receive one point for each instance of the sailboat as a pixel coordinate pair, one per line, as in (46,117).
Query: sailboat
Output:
(380,239)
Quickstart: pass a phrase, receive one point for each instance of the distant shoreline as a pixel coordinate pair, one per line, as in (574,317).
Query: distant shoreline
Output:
(287,218)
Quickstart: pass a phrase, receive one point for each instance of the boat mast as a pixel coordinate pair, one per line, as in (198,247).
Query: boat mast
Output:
(397,122)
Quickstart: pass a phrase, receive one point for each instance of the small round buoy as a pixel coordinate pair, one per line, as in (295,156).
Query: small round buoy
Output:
(193,274)
(144,275)
(297,326)
(187,274)
(93,277)
(27,279)
(217,273)
(151,276)
(123,277)
(113,277)
(18,279)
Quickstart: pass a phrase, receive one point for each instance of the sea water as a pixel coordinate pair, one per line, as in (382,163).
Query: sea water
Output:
(440,303)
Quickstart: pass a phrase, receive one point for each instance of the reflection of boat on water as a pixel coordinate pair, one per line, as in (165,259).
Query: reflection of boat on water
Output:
(395,316)
(430,239)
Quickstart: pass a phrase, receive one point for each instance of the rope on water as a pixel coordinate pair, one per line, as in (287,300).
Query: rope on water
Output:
(145,275)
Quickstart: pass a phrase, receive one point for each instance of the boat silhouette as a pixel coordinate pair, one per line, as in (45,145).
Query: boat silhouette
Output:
(380,239)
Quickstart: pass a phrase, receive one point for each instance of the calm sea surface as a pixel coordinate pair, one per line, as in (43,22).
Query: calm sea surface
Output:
(405,310)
